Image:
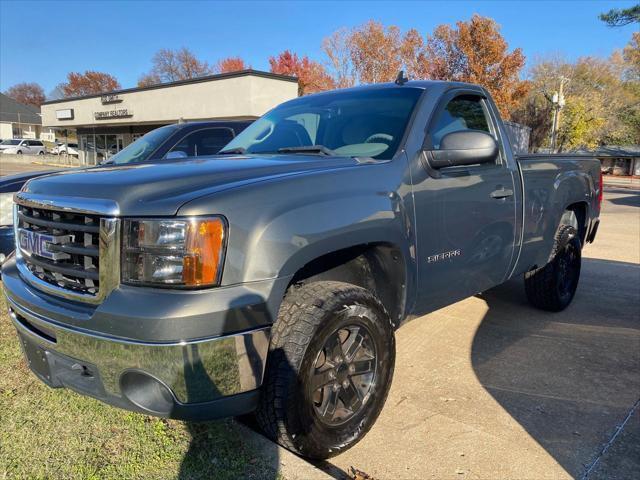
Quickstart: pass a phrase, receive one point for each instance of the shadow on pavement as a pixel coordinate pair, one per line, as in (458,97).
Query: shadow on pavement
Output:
(569,379)
(630,198)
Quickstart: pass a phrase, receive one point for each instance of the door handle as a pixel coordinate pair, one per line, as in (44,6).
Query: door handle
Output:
(502,193)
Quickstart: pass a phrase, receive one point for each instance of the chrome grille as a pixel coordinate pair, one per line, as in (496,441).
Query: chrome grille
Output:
(72,260)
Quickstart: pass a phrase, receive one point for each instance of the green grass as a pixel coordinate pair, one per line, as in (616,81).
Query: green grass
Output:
(56,433)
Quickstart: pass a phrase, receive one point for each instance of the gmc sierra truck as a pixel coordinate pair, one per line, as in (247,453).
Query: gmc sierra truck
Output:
(271,277)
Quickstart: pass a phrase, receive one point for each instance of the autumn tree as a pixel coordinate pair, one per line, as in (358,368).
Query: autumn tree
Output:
(373,53)
(230,64)
(88,83)
(631,57)
(602,103)
(536,112)
(312,76)
(414,56)
(476,52)
(174,65)
(27,94)
(338,51)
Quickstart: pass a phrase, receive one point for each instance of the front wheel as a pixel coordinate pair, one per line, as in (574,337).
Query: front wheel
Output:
(553,286)
(329,368)
(40,152)
(19,152)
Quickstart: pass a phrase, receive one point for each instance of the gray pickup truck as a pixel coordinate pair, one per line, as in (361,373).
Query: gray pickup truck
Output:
(271,277)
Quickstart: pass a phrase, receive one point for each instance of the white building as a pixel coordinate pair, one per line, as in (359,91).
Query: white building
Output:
(110,121)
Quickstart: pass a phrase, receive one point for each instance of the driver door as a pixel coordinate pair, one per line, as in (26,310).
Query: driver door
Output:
(465,214)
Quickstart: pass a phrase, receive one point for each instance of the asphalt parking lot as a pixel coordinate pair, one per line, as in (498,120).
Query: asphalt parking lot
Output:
(492,388)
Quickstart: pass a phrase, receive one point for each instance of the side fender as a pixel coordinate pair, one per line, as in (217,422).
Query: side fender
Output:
(551,186)
(278,226)
(295,237)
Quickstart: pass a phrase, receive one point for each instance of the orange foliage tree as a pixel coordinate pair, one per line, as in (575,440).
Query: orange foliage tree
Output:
(27,94)
(476,52)
(230,64)
(379,53)
(88,83)
(373,53)
(312,76)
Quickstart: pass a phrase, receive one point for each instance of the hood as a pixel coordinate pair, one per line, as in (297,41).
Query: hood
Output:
(162,188)
(13,183)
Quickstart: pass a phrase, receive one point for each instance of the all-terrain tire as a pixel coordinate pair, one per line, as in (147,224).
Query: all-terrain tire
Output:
(553,286)
(310,315)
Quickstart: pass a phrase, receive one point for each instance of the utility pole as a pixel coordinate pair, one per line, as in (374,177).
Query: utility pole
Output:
(558,103)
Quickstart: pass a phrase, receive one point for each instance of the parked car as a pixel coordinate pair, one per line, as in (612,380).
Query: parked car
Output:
(22,146)
(271,277)
(171,142)
(9,185)
(66,148)
(179,141)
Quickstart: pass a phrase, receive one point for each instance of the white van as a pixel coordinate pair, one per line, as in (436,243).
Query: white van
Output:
(20,146)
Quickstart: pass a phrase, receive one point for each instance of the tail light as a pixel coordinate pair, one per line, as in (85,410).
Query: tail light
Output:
(600,191)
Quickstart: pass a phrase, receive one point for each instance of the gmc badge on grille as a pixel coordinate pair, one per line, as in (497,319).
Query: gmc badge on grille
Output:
(34,243)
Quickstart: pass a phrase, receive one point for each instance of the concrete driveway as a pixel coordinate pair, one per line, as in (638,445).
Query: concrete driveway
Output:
(492,388)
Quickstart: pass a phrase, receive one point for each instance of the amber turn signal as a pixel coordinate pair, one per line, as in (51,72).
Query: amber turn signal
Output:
(204,247)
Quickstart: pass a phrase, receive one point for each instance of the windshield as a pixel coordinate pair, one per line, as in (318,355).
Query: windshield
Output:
(365,123)
(141,149)
(10,142)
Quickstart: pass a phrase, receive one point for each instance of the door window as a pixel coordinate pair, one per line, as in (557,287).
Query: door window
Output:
(204,142)
(466,112)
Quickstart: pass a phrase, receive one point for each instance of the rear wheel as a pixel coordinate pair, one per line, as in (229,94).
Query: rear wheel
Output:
(329,369)
(19,152)
(553,286)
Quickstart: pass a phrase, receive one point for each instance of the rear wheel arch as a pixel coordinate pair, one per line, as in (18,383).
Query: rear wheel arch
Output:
(575,215)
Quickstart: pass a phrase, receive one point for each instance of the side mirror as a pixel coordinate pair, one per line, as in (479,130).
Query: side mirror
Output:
(174,154)
(465,147)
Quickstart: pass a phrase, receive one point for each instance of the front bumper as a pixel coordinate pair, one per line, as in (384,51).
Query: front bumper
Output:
(187,378)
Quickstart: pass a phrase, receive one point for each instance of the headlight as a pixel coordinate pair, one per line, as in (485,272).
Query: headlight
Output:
(6,209)
(173,252)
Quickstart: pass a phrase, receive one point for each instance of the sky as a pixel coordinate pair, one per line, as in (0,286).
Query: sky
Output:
(44,40)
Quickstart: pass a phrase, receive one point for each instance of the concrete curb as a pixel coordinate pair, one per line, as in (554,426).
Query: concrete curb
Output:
(280,460)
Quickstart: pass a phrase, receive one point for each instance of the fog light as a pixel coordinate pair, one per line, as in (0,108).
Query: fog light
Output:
(147,392)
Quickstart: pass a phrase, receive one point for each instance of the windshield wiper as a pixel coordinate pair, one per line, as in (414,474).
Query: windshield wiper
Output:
(319,149)
(233,151)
